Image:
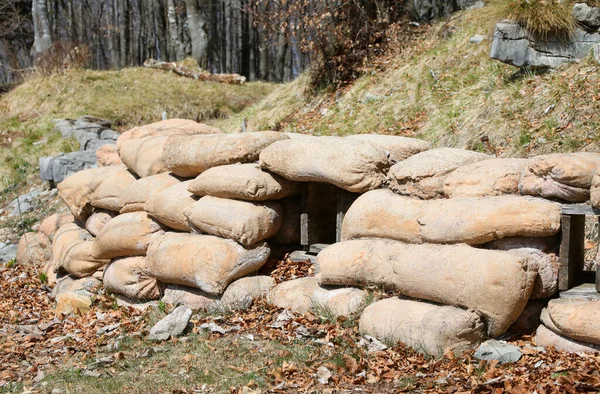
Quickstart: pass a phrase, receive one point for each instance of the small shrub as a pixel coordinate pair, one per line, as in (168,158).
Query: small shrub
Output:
(541,18)
(43,277)
(62,56)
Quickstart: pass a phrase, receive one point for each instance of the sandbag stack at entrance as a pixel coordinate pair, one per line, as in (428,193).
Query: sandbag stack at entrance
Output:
(465,238)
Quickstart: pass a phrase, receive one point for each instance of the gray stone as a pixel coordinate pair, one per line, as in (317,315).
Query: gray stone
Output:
(496,350)
(596,53)
(171,325)
(477,39)
(8,252)
(25,203)
(57,168)
(427,10)
(513,45)
(93,144)
(586,15)
(109,135)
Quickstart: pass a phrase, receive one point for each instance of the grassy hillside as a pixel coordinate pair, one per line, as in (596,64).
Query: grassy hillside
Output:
(447,90)
(128,98)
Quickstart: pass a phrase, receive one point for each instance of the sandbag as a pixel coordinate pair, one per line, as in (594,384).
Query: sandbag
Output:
(577,319)
(243,182)
(96,222)
(34,249)
(165,128)
(78,260)
(139,192)
(168,206)
(126,235)
(76,190)
(240,294)
(194,299)
(304,294)
(108,155)
(428,328)
(493,283)
(423,175)
(400,148)
(357,166)
(289,232)
(595,189)
(108,194)
(471,220)
(543,244)
(65,235)
(126,276)
(492,177)
(564,176)
(243,221)
(144,156)
(52,223)
(547,338)
(202,261)
(189,156)
(546,282)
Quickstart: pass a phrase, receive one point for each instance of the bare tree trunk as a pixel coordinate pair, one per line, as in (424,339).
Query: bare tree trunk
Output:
(197,28)
(177,48)
(41,24)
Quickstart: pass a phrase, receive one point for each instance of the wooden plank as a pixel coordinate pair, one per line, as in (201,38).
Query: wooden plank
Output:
(344,200)
(304,216)
(597,272)
(585,291)
(318,214)
(579,209)
(571,254)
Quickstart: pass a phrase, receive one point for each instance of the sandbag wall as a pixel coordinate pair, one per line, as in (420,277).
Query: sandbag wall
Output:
(466,239)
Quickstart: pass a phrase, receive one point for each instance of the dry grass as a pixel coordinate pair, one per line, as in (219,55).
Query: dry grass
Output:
(451,93)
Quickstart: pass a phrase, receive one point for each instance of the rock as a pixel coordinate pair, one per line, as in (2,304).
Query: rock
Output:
(139,192)
(127,276)
(85,286)
(171,325)
(96,222)
(243,182)
(323,375)
(8,252)
(428,10)
(471,220)
(492,177)
(495,284)
(202,261)
(58,168)
(596,52)
(589,16)
(240,294)
(529,320)
(577,319)
(399,148)
(78,259)
(304,294)
(126,235)
(503,352)
(76,190)
(144,156)
(71,303)
(289,232)
(34,249)
(165,128)
(477,39)
(168,206)
(564,176)
(423,174)
(428,328)
(543,244)
(189,156)
(108,155)
(513,45)
(94,144)
(25,203)
(52,223)
(354,165)
(108,195)
(243,221)
(188,296)
(547,338)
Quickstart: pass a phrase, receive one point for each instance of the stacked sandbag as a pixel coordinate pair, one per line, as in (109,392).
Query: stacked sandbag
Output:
(168,206)
(108,194)
(562,176)
(127,277)
(135,196)
(166,128)
(34,249)
(492,177)
(429,328)
(495,284)
(423,175)
(399,148)
(474,220)
(191,155)
(97,220)
(350,164)
(52,223)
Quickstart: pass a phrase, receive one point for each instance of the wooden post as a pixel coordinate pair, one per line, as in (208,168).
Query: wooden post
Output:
(571,251)
(318,214)
(597,269)
(344,200)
